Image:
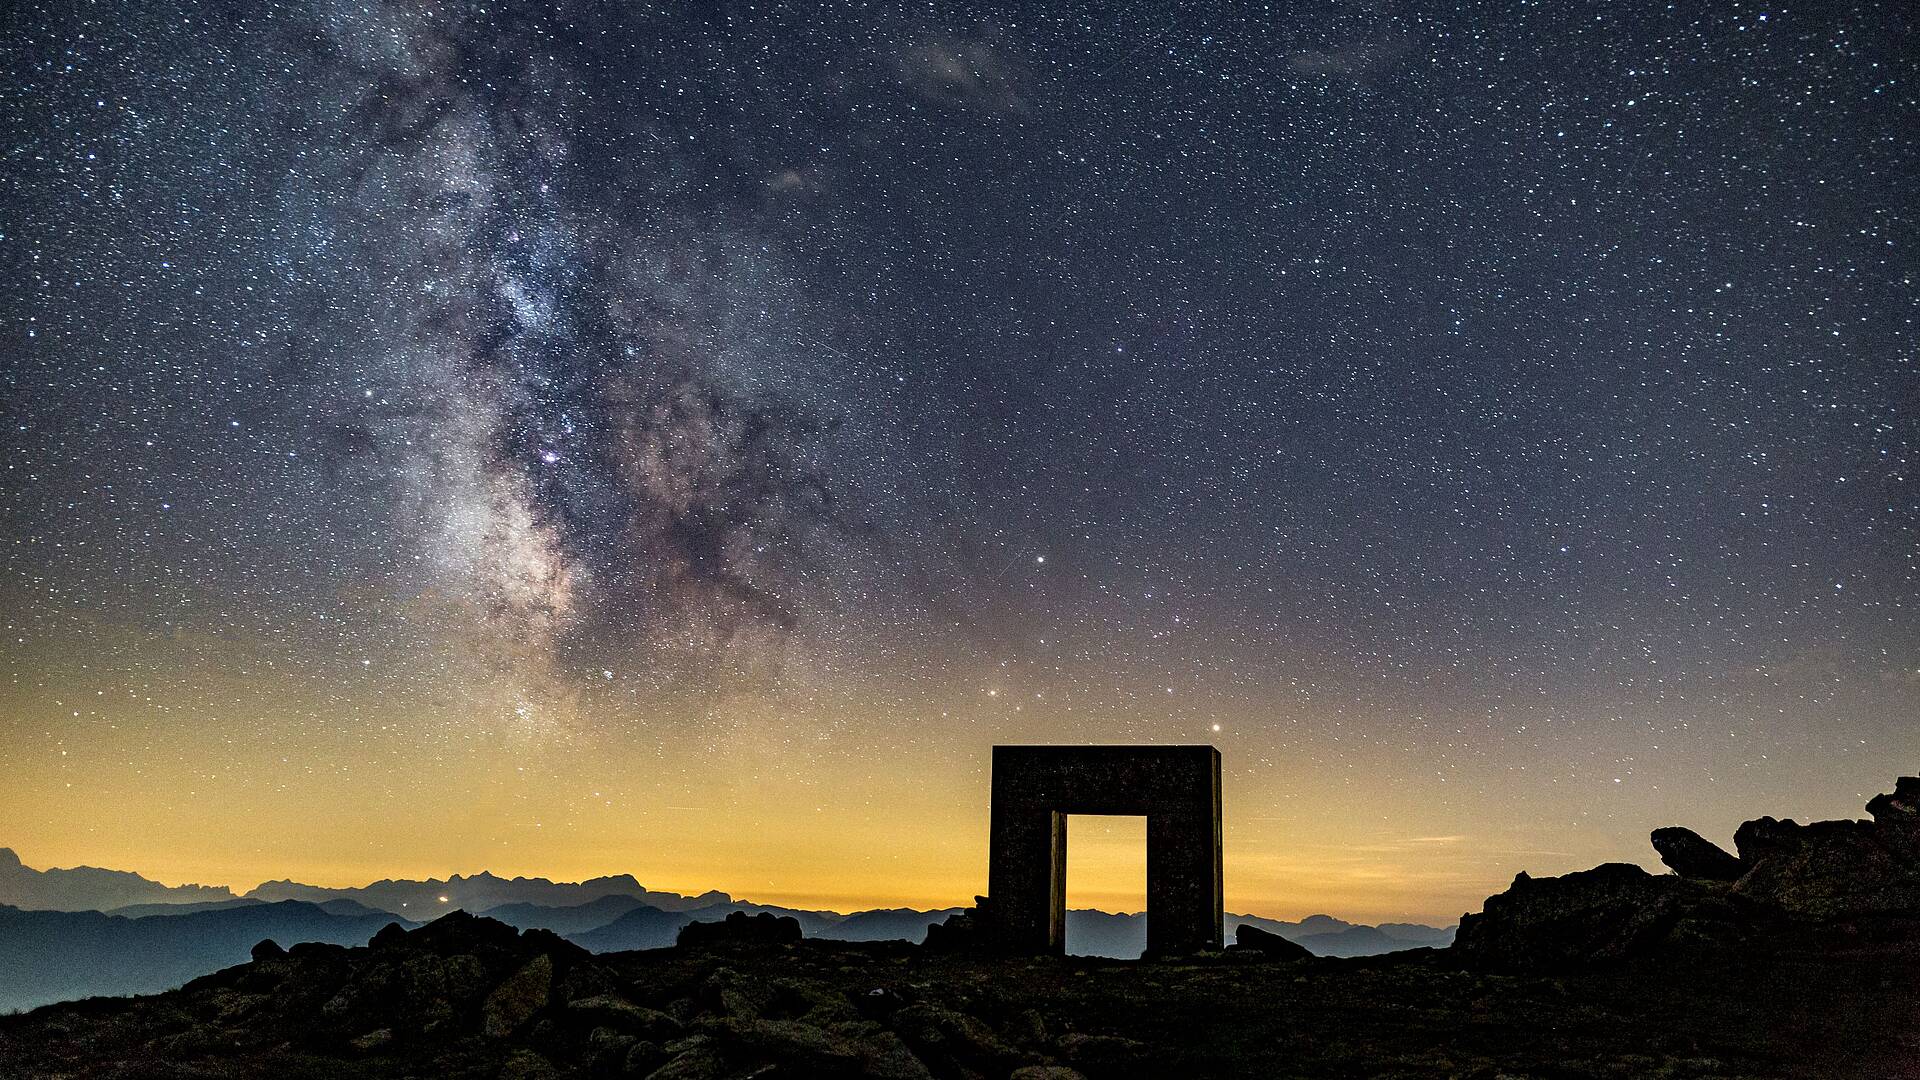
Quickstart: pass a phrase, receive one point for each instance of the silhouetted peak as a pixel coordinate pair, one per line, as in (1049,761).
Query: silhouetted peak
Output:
(462,927)
(614,879)
(8,860)
(1322,924)
(485,875)
(461,932)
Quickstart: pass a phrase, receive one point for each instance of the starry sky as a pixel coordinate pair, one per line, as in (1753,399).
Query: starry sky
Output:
(682,439)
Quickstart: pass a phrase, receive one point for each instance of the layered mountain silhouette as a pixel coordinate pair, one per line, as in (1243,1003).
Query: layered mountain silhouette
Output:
(651,928)
(48,956)
(141,911)
(574,919)
(85,931)
(1798,954)
(337,906)
(1098,933)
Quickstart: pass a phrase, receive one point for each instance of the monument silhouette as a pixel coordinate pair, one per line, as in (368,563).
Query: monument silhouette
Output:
(1177,789)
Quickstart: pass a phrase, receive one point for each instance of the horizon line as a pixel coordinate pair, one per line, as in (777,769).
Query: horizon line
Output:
(236,893)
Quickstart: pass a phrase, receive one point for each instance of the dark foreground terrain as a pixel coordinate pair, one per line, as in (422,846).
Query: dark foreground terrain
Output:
(1799,956)
(466,997)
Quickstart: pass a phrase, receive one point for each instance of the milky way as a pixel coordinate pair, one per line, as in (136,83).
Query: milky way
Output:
(1485,423)
(606,416)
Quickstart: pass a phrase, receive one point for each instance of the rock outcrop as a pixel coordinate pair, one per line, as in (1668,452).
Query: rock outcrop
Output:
(740,928)
(1269,944)
(1611,912)
(967,931)
(458,974)
(1830,870)
(1787,877)
(1899,808)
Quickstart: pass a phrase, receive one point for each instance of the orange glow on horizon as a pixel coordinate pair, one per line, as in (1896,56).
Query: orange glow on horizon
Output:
(819,800)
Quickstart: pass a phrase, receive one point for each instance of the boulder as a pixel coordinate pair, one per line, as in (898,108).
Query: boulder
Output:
(1103,1054)
(268,950)
(607,1050)
(1901,806)
(953,1043)
(1691,855)
(730,993)
(889,1059)
(808,1050)
(527,1065)
(643,1057)
(1269,944)
(622,1016)
(740,928)
(693,1063)
(524,993)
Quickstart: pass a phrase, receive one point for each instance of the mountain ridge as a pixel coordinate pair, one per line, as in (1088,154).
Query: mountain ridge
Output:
(477,892)
(90,888)
(52,955)
(484,890)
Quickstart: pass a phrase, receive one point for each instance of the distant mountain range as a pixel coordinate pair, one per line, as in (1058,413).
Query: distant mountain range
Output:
(48,956)
(87,931)
(1097,933)
(434,896)
(86,888)
(651,928)
(339,906)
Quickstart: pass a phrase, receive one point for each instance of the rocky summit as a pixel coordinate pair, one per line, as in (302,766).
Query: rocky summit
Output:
(1803,964)
(1827,879)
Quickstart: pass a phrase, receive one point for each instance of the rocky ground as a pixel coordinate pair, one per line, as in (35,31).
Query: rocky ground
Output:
(468,998)
(1798,957)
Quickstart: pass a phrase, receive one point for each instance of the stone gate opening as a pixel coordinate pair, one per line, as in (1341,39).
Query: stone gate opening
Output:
(1176,788)
(1107,878)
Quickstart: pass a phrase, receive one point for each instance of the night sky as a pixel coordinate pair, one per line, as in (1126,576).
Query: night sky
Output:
(597,438)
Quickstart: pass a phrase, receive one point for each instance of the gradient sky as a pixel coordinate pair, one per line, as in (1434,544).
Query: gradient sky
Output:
(601,438)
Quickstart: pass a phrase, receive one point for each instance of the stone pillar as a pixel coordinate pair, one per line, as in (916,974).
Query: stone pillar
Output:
(1184,906)
(1027,876)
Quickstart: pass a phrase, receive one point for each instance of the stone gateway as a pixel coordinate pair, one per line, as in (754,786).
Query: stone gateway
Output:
(1176,788)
